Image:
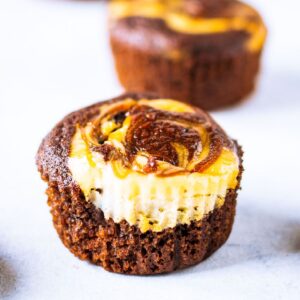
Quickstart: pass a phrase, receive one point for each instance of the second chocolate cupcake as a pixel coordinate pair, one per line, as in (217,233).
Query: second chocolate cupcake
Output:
(198,51)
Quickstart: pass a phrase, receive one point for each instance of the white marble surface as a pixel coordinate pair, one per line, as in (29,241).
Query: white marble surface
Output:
(54,58)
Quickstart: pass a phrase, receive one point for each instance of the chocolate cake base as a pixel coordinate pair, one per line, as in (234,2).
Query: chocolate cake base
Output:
(123,248)
(208,80)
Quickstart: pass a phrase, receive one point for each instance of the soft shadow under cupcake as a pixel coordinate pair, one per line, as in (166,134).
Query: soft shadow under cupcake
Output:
(256,236)
(7,279)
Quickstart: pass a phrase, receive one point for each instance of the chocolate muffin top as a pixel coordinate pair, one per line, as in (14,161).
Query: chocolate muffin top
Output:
(183,27)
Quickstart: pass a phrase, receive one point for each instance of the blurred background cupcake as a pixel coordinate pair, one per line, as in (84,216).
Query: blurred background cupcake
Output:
(206,52)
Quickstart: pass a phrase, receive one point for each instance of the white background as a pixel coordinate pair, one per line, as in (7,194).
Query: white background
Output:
(55,58)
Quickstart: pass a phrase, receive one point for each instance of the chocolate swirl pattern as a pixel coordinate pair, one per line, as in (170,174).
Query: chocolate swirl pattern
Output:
(197,17)
(150,140)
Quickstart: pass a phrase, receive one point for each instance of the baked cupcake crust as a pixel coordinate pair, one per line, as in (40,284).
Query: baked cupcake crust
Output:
(210,70)
(121,247)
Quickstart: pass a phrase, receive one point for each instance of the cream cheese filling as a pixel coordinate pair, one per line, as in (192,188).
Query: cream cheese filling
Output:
(149,201)
(153,202)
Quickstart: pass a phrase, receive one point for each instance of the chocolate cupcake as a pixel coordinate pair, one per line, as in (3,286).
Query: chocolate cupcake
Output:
(140,185)
(205,52)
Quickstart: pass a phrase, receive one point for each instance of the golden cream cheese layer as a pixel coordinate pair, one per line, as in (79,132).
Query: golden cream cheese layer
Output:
(242,18)
(151,202)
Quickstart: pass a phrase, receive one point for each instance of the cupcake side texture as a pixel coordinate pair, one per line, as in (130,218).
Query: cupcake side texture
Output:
(198,51)
(140,185)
